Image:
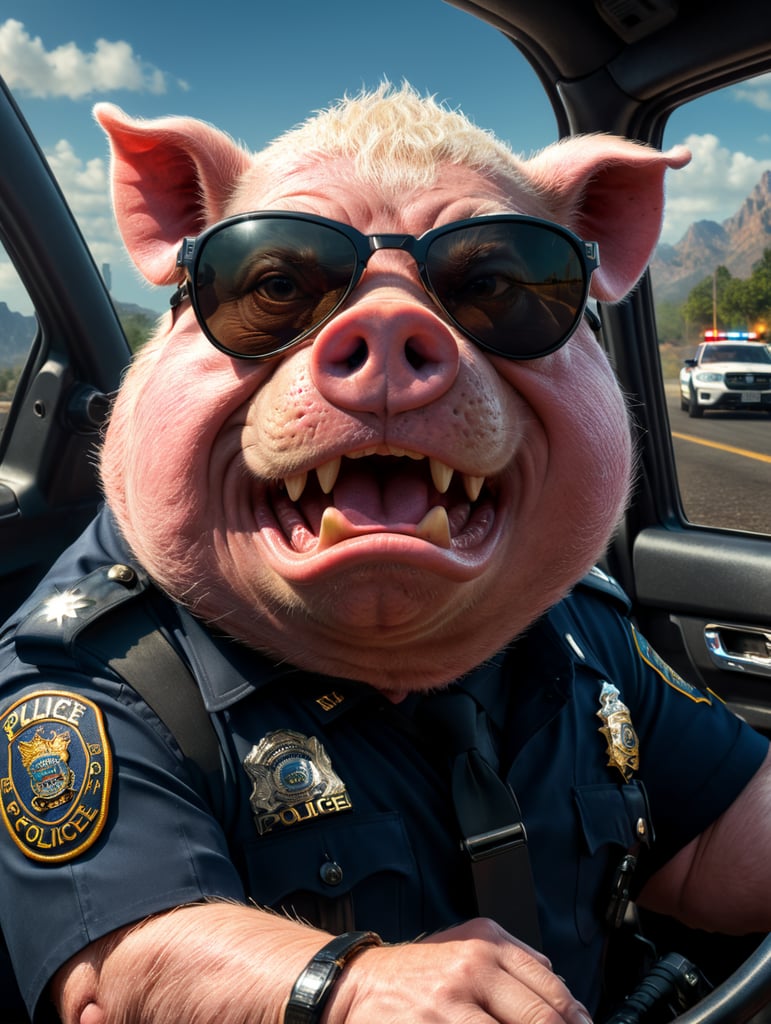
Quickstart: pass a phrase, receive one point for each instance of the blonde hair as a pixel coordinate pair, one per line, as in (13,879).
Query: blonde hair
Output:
(396,139)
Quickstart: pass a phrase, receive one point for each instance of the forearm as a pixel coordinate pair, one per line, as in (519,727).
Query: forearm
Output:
(216,963)
(222,964)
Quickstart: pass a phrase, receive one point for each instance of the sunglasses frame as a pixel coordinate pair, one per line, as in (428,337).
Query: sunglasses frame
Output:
(364,247)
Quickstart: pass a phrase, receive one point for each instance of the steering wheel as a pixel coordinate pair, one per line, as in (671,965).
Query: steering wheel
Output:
(740,996)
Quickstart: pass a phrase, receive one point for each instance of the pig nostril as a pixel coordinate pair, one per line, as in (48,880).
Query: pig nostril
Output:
(414,356)
(358,356)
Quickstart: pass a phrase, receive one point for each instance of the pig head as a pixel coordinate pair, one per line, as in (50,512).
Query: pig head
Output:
(384,502)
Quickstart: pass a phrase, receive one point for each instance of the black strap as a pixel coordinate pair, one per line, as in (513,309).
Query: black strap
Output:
(490,820)
(130,642)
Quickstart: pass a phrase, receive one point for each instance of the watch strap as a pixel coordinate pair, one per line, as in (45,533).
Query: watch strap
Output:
(312,988)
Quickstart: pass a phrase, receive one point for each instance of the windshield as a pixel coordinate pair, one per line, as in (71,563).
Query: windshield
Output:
(735,354)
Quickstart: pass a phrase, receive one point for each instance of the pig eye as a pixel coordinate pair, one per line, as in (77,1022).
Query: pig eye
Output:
(277,288)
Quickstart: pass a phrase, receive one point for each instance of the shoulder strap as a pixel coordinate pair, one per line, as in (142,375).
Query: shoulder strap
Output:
(130,642)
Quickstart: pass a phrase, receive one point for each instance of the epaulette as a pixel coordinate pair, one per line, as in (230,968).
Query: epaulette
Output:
(49,633)
(130,644)
(598,580)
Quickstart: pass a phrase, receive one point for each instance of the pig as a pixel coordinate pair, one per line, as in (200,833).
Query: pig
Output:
(372,513)
(389,593)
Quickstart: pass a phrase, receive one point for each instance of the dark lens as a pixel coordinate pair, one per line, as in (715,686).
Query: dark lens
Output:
(263,283)
(516,288)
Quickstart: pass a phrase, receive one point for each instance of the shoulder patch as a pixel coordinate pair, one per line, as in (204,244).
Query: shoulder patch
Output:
(670,677)
(58,771)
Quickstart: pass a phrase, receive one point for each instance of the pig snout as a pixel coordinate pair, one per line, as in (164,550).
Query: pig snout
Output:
(385,357)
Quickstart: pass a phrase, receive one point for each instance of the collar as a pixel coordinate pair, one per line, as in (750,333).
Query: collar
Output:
(228,671)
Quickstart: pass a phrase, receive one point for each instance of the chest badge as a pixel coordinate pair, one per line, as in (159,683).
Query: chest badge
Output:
(55,787)
(292,781)
(617,728)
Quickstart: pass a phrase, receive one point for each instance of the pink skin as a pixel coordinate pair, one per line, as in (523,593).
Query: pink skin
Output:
(382,604)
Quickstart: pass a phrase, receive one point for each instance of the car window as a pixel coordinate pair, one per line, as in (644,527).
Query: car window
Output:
(18,327)
(711,281)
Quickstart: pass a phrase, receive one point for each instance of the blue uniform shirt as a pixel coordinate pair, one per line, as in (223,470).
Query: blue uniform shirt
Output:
(330,802)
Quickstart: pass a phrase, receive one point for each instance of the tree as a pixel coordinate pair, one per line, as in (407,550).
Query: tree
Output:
(137,327)
(736,303)
(703,301)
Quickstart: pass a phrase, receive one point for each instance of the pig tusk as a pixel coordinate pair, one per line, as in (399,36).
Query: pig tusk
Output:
(435,527)
(334,528)
(473,485)
(328,474)
(441,474)
(295,485)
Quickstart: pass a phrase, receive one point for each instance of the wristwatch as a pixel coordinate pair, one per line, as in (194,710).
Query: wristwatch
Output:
(312,988)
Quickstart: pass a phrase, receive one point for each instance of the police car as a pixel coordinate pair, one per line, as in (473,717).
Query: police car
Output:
(732,371)
(702,594)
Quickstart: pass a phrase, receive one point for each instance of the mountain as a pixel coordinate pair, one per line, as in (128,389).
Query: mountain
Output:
(16,335)
(736,244)
(17,332)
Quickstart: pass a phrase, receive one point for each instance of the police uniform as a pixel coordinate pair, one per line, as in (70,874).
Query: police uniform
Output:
(328,801)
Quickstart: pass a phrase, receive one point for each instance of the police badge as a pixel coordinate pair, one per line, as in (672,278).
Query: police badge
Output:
(53,797)
(623,745)
(293,781)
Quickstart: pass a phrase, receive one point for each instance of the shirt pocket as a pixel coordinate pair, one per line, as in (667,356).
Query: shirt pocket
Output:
(342,873)
(609,817)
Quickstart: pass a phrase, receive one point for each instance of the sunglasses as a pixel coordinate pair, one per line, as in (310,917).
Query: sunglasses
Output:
(263,282)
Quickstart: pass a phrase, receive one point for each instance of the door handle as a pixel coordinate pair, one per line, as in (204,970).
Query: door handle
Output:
(739,648)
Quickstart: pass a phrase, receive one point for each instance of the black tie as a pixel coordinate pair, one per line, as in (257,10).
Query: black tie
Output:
(489,817)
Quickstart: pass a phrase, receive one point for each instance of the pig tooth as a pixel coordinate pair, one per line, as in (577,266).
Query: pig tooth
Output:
(473,485)
(404,453)
(327,474)
(333,528)
(295,485)
(441,474)
(435,527)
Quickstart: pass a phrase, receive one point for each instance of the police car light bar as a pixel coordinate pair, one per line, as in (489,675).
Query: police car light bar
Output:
(730,335)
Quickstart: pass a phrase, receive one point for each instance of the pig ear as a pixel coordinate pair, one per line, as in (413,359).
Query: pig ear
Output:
(170,178)
(610,191)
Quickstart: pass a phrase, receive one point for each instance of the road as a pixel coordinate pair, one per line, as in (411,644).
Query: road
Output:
(724,466)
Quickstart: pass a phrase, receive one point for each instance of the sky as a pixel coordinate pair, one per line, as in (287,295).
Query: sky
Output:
(256,70)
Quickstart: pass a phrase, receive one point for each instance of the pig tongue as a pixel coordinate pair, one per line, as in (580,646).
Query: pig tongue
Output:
(395,505)
(368,500)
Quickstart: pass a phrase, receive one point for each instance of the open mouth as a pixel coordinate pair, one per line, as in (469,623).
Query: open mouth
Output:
(382,490)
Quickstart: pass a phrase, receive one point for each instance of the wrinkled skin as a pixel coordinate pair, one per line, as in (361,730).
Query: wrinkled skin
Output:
(378,593)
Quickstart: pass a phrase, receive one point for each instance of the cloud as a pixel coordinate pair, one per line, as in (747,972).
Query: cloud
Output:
(67,71)
(712,187)
(85,184)
(13,292)
(86,187)
(756,91)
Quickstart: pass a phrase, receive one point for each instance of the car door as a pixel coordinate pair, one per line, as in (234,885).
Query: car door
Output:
(62,351)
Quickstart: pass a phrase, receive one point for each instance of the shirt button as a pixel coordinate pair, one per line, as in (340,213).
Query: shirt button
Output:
(331,873)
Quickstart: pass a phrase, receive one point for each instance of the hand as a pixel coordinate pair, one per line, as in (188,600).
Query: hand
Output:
(475,973)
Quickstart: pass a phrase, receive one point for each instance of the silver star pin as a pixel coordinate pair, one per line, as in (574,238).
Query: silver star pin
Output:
(63,606)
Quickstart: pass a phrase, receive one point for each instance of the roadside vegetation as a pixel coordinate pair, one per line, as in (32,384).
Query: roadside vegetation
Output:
(719,301)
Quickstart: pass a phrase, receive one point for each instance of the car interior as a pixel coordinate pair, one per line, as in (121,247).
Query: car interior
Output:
(701,587)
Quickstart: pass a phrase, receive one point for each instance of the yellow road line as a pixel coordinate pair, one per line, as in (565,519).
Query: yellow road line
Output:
(758,456)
